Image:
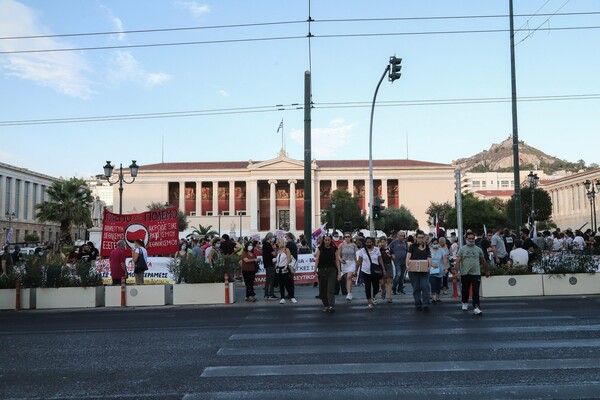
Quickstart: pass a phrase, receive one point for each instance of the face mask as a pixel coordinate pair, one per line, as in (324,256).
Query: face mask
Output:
(470,242)
(369,246)
(11,251)
(41,253)
(273,240)
(435,246)
(218,245)
(250,248)
(183,247)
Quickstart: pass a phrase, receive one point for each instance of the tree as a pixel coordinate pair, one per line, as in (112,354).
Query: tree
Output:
(396,219)
(182,221)
(68,204)
(346,210)
(477,213)
(441,209)
(543,205)
(203,231)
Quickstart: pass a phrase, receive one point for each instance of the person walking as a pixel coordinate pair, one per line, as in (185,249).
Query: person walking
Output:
(388,270)
(439,267)
(283,273)
(347,259)
(419,251)
(249,270)
(399,248)
(327,268)
(469,260)
(370,268)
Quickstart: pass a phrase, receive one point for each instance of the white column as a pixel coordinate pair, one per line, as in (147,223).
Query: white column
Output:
(215,198)
(333,185)
(252,204)
(351,187)
(272,205)
(198,198)
(3,194)
(232,198)
(182,197)
(384,191)
(367,195)
(292,183)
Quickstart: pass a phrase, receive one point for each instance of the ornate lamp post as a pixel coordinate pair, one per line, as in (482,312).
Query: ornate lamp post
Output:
(108,171)
(533,182)
(591,195)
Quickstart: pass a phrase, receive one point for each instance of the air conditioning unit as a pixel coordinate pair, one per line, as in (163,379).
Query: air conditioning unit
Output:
(192,213)
(209,213)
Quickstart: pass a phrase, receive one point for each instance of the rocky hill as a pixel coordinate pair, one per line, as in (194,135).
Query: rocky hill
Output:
(499,158)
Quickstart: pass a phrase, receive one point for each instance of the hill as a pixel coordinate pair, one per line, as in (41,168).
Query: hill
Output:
(499,158)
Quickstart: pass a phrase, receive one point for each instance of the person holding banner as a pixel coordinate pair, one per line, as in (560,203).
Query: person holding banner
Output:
(327,269)
(139,256)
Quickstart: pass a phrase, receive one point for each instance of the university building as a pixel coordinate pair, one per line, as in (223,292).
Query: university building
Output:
(260,196)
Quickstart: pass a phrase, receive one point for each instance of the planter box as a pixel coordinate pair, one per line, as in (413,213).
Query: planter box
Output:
(571,284)
(8,299)
(202,293)
(512,286)
(69,297)
(139,295)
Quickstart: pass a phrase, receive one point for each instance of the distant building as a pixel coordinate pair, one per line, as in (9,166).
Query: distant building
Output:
(261,196)
(101,188)
(20,191)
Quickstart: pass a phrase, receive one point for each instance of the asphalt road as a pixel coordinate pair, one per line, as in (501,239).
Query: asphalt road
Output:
(526,348)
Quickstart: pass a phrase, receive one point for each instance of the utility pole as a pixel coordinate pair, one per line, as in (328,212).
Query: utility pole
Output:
(515,127)
(307,158)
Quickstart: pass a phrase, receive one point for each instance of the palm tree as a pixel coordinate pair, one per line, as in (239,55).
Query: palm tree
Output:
(203,231)
(68,204)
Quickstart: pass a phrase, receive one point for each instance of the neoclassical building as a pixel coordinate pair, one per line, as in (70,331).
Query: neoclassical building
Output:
(260,196)
(571,207)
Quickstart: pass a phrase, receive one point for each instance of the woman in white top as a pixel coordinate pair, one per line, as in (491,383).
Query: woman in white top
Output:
(137,252)
(283,274)
(368,255)
(347,258)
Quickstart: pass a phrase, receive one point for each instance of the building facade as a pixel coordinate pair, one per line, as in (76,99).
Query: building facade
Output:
(248,197)
(20,191)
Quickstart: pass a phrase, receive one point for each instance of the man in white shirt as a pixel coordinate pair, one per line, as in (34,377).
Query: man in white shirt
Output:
(518,256)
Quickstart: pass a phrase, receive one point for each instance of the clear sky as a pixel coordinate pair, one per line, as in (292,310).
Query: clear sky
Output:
(436,106)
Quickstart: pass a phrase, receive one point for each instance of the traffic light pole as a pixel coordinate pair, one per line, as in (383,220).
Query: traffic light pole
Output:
(371,184)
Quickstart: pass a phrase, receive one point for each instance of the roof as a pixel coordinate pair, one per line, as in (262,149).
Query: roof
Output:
(219,165)
(495,193)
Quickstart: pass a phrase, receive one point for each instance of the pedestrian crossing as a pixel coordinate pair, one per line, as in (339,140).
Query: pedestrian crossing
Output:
(517,350)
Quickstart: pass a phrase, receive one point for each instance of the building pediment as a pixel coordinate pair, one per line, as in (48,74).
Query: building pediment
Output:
(282,162)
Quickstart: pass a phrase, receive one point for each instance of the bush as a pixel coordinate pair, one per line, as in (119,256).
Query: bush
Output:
(8,281)
(566,263)
(506,269)
(192,270)
(83,275)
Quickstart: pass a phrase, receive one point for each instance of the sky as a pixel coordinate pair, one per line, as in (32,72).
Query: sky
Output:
(136,83)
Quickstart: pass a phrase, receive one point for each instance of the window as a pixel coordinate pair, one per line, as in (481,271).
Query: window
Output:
(504,184)
(476,184)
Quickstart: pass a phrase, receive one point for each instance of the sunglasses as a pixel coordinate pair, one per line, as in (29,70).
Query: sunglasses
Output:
(347,237)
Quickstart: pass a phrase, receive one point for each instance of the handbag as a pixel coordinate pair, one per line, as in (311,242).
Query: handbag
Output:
(376,269)
(140,264)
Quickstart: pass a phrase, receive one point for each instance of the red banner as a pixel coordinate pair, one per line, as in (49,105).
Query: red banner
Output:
(159,230)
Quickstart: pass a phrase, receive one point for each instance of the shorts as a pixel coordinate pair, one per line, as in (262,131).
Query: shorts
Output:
(349,267)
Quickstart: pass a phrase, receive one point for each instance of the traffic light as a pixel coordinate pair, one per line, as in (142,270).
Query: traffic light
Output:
(395,68)
(379,201)
(376,211)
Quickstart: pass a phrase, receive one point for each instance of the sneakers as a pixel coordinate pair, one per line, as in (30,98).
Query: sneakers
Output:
(282,301)
(465,306)
(294,301)
(349,296)
(374,300)
(369,306)
(477,311)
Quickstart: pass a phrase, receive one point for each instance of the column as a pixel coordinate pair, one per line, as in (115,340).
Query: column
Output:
(384,192)
(182,197)
(272,205)
(232,198)
(2,195)
(292,183)
(351,187)
(198,198)
(333,185)
(252,204)
(215,198)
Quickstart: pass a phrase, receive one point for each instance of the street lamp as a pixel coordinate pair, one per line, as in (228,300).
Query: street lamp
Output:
(533,182)
(591,195)
(9,216)
(393,70)
(333,212)
(108,171)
